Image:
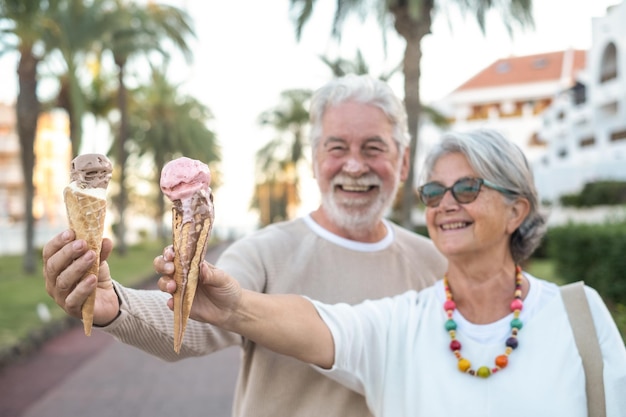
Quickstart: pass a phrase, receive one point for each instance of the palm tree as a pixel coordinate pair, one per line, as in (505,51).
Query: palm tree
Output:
(22,23)
(135,30)
(341,66)
(78,27)
(277,162)
(412,20)
(165,124)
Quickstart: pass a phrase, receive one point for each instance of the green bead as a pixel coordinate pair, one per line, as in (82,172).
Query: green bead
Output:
(483,372)
(517,323)
(450,325)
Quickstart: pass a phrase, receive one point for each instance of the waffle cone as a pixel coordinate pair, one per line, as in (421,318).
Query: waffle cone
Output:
(190,241)
(86,215)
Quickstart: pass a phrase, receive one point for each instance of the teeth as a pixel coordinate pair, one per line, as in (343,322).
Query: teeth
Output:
(355,188)
(451,226)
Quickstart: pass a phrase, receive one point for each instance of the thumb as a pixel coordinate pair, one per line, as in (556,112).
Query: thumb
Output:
(220,282)
(212,275)
(107,248)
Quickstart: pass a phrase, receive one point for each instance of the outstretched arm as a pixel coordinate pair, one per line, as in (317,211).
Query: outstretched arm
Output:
(286,324)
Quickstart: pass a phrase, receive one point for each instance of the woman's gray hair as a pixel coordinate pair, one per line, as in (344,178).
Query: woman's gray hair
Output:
(361,89)
(499,160)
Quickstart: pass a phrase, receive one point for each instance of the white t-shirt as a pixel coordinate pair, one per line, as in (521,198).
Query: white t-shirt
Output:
(396,352)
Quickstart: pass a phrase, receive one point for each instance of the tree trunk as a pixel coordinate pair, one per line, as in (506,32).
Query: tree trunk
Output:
(412,30)
(121,162)
(65,100)
(77,109)
(412,56)
(28,108)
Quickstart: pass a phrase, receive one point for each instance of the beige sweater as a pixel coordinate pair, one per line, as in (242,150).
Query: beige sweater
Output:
(291,257)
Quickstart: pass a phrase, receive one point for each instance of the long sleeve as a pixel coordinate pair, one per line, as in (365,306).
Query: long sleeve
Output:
(148,324)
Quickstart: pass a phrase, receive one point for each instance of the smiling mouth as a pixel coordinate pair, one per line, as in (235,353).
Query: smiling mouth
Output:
(356,188)
(455,225)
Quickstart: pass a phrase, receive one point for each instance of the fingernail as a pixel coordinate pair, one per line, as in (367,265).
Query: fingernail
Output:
(66,235)
(77,245)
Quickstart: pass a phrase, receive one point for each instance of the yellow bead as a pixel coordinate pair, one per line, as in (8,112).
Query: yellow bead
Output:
(483,372)
(464,365)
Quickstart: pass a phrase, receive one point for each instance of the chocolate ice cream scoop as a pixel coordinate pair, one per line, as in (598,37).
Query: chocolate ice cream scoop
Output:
(91,170)
(86,206)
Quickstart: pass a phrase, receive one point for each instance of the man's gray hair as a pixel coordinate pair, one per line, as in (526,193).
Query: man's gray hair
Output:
(362,89)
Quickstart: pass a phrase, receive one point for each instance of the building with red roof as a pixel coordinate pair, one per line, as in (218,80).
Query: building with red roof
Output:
(565,109)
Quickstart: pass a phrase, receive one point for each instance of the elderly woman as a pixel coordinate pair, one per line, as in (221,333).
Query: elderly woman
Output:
(486,340)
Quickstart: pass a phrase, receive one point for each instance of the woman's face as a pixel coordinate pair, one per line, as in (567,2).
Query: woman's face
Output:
(481,228)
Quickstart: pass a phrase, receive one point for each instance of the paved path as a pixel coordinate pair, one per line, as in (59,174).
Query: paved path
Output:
(77,376)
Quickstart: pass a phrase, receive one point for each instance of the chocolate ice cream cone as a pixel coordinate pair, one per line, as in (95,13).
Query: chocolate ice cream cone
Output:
(86,215)
(86,204)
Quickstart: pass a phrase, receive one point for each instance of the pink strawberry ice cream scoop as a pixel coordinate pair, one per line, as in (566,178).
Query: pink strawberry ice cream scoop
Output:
(186,183)
(182,177)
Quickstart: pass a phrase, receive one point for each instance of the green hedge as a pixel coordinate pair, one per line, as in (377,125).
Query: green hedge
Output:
(597,194)
(595,254)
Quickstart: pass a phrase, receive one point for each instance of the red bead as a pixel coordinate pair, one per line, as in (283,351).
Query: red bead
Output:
(449,305)
(517,304)
(455,345)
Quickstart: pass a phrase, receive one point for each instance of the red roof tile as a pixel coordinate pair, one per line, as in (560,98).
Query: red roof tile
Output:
(525,69)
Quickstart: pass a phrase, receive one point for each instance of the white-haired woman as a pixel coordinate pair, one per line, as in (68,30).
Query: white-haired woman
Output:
(487,339)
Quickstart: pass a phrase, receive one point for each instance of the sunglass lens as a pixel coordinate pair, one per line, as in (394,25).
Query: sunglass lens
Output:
(466,190)
(432,193)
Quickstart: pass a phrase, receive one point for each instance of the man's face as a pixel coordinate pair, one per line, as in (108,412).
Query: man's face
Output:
(357,164)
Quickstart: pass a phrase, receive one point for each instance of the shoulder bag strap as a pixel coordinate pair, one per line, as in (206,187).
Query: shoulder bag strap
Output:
(586,338)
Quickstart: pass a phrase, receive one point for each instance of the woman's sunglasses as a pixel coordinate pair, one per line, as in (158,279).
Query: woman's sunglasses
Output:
(464,191)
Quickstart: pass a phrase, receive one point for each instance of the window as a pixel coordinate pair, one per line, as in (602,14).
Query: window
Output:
(609,109)
(503,67)
(588,141)
(618,135)
(608,65)
(579,92)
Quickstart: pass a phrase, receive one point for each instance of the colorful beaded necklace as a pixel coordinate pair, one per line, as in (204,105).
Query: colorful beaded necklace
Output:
(501,361)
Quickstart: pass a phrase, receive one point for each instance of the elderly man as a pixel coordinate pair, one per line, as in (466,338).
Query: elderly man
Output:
(344,251)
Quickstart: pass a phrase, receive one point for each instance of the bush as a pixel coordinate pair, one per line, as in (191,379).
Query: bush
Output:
(542,250)
(597,194)
(594,254)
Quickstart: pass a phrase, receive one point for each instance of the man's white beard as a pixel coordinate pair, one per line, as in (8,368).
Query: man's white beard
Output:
(357,214)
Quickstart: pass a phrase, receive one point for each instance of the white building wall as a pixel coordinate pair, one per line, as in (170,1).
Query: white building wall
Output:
(568,165)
